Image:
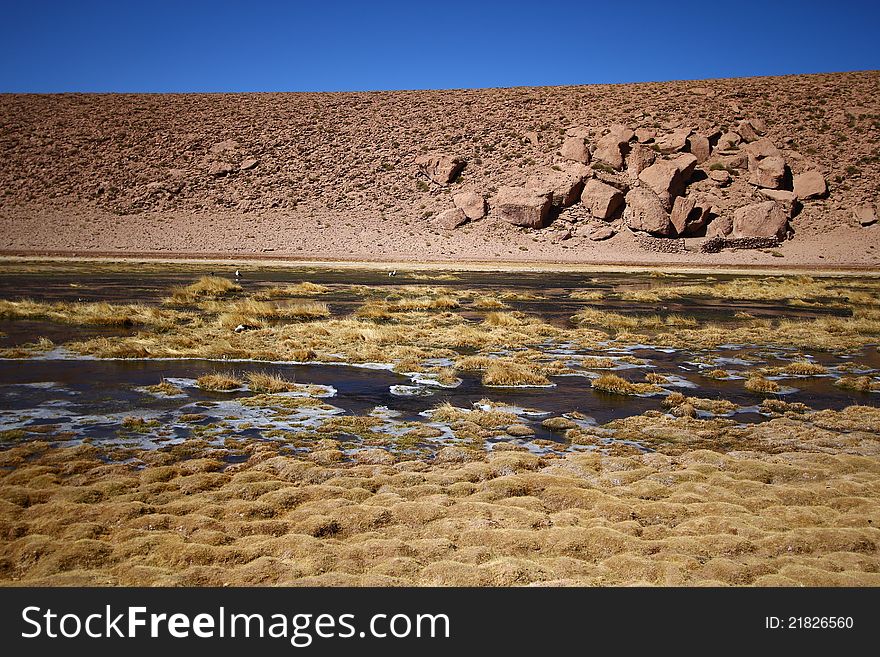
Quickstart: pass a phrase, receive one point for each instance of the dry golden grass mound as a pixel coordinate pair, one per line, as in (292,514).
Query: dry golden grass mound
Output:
(788,502)
(507,373)
(267,382)
(758,383)
(218,381)
(304,289)
(165,387)
(210,287)
(858,383)
(617,385)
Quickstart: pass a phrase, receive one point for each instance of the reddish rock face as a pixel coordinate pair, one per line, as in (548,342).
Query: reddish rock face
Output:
(769,173)
(472,204)
(600,199)
(767,219)
(522,207)
(646,213)
(810,185)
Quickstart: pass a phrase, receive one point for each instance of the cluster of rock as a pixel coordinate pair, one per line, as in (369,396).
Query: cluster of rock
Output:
(642,179)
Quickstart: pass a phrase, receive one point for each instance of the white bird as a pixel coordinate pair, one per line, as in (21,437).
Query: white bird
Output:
(393,272)
(237,274)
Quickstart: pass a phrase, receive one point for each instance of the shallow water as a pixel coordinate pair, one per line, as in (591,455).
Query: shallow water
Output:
(84,399)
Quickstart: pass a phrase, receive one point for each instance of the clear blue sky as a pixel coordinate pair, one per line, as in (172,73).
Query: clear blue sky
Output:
(255,45)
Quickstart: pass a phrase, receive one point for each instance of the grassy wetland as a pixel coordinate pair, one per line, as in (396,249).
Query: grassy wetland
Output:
(176,425)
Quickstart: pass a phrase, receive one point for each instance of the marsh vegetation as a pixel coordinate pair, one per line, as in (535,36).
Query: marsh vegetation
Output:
(612,429)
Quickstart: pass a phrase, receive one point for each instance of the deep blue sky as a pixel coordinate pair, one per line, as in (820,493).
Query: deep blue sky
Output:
(163,46)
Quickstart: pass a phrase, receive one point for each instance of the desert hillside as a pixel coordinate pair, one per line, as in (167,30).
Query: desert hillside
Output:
(352,175)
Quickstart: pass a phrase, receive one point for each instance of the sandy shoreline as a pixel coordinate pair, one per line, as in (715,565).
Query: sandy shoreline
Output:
(255,260)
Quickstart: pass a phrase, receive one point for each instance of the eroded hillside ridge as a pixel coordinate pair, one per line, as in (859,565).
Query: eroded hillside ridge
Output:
(362,155)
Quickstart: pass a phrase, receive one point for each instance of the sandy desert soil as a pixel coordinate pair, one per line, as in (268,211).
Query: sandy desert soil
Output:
(333,176)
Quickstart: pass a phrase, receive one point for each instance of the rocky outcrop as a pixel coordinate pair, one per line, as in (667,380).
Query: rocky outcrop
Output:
(563,186)
(576,150)
(638,159)
(451,219)
(441,168)
(472,204)
(645,212)
(665,179)
(766,219)
(810,184)
(522,207)
(601,200)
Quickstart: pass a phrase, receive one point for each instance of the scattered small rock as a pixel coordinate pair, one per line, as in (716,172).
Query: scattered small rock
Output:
(865,215)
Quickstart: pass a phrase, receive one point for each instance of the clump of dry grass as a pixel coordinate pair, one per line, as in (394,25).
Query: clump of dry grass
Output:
(654,377)
(486,302)
(305,310)
(558,423)
(606,319)
(487,419)
(617,385)
(218,381)
(506,373)
(473,363)
(758,383)
(858,383)
(804,368)
(587,295)
(716,374)
(303,289)
(267,382)
(98,313)
(207,287)
(717,406)
(599,363)
(165,387)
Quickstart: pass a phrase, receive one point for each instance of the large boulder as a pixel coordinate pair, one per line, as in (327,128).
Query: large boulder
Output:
(440,167)
(611,148)
(645,212)
(810,184)
(765,219)
(748,131)
(664,178)
(600,199)
(700,147)
(768,172)
(522,207)
(639,158)
(675,141)
(472,204)
(686,163)
(720,227)
(788,200)
(576,150)
(689,214)
(767,167)
(451,219)
(564,187)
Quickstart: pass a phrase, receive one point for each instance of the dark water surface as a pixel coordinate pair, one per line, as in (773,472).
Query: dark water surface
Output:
(90,399)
